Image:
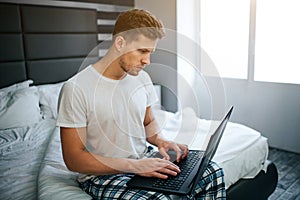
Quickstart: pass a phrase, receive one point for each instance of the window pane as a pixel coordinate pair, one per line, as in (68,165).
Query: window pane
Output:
(225,36)
(277,41)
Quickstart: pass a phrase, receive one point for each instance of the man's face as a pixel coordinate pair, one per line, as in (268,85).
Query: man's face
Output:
(137,55)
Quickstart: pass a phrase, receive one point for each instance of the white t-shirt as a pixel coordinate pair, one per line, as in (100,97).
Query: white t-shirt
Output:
(113,111)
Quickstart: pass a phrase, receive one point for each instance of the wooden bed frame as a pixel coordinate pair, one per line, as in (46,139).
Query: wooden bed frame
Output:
(48,44)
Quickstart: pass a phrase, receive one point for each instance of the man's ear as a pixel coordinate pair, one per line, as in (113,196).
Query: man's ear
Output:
(119,43)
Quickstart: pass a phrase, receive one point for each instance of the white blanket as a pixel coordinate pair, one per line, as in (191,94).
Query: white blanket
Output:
(242,151)
(21,153)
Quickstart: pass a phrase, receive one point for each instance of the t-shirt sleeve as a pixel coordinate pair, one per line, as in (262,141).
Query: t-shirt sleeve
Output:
(151,93)
(71,107)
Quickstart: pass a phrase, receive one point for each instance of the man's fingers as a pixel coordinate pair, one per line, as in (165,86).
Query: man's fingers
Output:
(159,175)
(185,150)
(167,166)
(161,168)
(179,155)
(169,169)
(164,154)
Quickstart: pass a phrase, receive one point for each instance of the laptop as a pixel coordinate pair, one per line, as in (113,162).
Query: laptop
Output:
(192,167)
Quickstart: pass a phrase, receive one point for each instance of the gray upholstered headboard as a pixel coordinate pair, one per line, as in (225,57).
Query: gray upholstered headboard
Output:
(44,43)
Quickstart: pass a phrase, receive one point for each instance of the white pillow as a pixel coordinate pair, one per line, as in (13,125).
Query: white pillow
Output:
(14,87)
(49,99)
(19,108)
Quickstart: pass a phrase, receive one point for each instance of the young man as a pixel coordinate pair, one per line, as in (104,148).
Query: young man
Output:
(105,118)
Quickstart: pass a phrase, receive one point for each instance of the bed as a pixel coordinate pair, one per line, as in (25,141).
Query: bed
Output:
(32,75)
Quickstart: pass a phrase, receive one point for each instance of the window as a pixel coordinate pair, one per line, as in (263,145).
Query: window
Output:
(224,28)
(277,41)
(232,31)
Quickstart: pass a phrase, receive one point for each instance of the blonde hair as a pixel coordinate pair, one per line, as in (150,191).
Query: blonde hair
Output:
(134,22)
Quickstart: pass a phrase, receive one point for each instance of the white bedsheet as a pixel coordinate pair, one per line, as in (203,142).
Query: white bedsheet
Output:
(242,154)
(55,181)
(21,153)
(245,164)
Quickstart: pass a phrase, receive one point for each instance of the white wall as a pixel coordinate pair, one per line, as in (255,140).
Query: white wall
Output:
(163,68)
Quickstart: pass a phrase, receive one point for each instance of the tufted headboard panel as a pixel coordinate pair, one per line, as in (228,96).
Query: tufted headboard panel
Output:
(45,43)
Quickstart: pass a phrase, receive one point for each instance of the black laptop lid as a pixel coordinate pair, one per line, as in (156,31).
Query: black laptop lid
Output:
(212,147)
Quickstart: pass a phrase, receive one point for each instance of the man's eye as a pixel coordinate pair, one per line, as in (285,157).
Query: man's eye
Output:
(143,51)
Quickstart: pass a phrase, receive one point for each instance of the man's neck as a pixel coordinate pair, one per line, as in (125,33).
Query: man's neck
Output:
(110,68)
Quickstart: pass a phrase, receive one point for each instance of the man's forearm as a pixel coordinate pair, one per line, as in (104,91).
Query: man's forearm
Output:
(153,133)
(156,139)
(87,163)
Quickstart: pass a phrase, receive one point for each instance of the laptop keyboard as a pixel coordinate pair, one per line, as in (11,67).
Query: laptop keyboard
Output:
(186,166)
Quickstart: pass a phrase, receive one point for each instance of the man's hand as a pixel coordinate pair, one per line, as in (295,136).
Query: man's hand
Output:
(154,137)
(155,167)
(180,149)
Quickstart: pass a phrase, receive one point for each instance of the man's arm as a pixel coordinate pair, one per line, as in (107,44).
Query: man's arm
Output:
(154,137)
(78,159)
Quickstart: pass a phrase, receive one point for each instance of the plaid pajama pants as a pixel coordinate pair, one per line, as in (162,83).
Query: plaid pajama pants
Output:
(211,186)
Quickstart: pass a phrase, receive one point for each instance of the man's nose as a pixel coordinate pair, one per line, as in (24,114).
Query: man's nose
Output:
(146,60)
